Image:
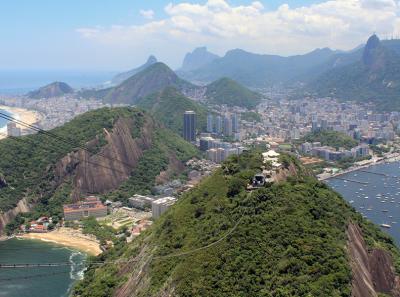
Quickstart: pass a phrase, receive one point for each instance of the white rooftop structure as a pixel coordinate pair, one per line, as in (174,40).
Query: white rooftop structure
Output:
(159,206)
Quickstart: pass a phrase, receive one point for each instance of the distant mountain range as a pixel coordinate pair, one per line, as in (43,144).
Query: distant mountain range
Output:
(367,73)
(152,79)
(254,70)
(55,89)
(197,59)
(157,77)
(371,74)
(119,78)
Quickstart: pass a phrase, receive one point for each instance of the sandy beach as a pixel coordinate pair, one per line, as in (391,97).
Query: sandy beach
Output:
(68,237)
(28,116)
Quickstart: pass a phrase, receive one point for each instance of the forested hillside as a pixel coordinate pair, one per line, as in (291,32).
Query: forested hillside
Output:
(114,152)
(285,239)
(169,105)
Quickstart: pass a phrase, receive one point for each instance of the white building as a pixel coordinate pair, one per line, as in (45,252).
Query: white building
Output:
(159,206)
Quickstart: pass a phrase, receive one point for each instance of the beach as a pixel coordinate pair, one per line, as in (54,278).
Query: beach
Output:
(30,117)
(68,237)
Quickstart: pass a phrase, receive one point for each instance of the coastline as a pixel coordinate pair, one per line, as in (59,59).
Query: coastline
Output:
(383,160)
(30,117)
(68,237)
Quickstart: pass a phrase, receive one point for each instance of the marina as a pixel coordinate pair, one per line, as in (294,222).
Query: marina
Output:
(378,199)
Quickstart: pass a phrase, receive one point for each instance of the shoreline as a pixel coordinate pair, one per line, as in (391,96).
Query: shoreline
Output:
(67,237)
(30,117)
(384,160)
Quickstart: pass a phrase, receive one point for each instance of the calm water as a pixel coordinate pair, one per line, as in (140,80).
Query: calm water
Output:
(38,282)
(18,82)
(379,200)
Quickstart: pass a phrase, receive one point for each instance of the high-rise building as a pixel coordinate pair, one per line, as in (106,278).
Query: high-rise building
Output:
(218,124)
(189,126)
(13,130)
(210,124)
(227,126)
(235,123)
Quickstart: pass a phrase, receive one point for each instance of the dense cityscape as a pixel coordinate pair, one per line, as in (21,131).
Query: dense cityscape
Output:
(205,148)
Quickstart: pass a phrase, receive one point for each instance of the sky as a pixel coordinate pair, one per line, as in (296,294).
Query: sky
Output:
(110,35)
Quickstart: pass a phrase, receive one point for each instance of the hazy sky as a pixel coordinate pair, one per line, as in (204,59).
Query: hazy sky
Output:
(120,34)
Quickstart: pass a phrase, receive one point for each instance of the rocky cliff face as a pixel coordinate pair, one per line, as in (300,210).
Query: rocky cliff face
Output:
(6,217)
(113,164)
(373,271)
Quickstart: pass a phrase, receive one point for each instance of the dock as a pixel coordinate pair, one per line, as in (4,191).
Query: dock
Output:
(350,180)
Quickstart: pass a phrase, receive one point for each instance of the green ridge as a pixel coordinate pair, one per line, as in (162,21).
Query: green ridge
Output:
(290,240)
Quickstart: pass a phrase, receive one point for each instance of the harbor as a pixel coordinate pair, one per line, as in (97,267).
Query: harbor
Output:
(375,194)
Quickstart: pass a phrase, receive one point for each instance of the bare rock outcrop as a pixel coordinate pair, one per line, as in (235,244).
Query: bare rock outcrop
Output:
(113,164)
(23,206)
(373,271)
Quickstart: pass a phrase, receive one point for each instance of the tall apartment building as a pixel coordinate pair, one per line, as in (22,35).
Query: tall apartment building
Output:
(189,126)
(13,130)
(210,123)
(159,206)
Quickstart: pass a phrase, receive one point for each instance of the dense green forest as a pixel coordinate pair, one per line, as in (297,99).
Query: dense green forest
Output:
(169,105)
(330,138)
(28,163)
(227,91)
(286,239)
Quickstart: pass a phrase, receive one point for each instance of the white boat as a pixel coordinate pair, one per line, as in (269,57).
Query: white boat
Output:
(351,201)
(384,210)
(386,226)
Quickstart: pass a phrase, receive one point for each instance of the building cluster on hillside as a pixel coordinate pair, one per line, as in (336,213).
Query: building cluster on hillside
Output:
(291,120)
(41,225)
(227,125)
(157,205)
(217,150)
(331,154)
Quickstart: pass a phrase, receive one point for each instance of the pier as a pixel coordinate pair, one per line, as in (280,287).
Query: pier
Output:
(351,180)
(376,173)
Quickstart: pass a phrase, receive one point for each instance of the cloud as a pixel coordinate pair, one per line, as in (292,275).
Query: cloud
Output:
(147,14)
(341,24)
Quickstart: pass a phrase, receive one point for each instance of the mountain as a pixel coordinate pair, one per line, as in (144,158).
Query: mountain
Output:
(198,58)
(375,77)
(295,237)
(113,152)
(169,105)
(255,70)
(55,89)
(119,78)
(227,91)
(151,80)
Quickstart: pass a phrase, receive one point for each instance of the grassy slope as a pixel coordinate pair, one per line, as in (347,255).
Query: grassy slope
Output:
(290,241)
(229,92)
(169,106)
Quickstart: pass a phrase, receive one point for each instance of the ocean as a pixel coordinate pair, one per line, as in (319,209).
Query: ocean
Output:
(19,82)
(378,198)
(42,281)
